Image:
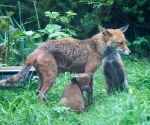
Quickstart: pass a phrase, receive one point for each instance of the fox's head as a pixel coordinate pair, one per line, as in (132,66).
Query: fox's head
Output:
(115,38)
(83,80)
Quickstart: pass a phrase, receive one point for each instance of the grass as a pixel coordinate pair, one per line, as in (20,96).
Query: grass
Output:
(21,107)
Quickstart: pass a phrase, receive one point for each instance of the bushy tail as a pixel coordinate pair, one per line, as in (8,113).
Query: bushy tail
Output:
(15,80)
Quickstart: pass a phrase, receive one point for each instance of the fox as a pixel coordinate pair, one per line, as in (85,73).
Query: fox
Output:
(113,70)
(68,55)
(73,92)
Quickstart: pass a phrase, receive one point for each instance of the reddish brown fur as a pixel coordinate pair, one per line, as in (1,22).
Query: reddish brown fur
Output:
(71,55)
(72,96)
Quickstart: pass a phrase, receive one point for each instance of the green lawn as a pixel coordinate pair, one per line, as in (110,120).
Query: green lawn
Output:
(20,106)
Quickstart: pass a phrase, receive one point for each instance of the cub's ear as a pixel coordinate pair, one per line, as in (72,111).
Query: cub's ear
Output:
(104,31)
(88,89)
(124,28)
(74,80)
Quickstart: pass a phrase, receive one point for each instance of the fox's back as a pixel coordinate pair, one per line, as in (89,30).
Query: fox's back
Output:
(69,54)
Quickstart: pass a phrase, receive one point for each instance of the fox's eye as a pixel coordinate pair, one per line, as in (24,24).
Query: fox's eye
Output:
(121,43)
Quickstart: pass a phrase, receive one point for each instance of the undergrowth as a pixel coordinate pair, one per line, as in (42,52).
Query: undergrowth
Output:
(20,106)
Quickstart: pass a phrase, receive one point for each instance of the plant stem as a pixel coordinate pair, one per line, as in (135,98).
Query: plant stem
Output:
(20,13)
(37,17)
(8,52)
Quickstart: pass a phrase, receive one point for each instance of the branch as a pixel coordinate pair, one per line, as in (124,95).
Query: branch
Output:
(68,25)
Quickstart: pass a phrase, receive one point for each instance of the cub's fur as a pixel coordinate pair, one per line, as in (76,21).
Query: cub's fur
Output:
(68,55)
(72,96)
(113,70)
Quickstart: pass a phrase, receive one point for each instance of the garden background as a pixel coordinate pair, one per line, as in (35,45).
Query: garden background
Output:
(25,24)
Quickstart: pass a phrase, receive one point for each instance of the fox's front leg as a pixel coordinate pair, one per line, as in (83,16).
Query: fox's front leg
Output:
(90,94)
(108,76)
(107,72)
(91,66)
(108,79)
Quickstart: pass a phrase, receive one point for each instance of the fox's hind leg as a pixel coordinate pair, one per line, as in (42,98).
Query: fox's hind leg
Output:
(125,84)
(47,71)
(40,82)
(122,79)
(108,85)
(121,75)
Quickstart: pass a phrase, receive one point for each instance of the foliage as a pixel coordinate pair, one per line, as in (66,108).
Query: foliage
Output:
(140,47)
(5,26)
(139,44)
(89,13)
(19,41)
(14,39)
(20,106)
(109,13)
(55,31)
(98,3)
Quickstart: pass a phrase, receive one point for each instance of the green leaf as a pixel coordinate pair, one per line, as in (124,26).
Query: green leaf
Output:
(17,34)
(128,43)
(64,19)
(53,26)
(55,34)
(4,27)
(52,15)
(140,19)
(50,30)
(136,42)
(141,2)
(47,13)
(10,13)
(55,15)
(71,13)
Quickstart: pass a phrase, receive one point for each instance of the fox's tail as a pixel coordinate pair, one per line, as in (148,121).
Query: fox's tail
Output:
(16,79)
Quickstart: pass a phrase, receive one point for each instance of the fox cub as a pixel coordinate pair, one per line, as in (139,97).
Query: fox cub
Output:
(113,70)
(73,96)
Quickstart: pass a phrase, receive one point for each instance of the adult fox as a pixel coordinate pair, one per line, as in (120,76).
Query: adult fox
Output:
(68,55)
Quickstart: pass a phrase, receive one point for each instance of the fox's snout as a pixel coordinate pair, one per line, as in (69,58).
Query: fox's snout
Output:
(127,50)
(124,51)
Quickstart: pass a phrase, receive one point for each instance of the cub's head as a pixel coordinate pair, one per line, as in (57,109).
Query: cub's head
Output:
(83,80)
(115,38)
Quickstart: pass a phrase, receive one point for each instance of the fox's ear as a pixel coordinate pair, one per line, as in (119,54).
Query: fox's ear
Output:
(88,89)
(124,28)
(104,31)
(74,80)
